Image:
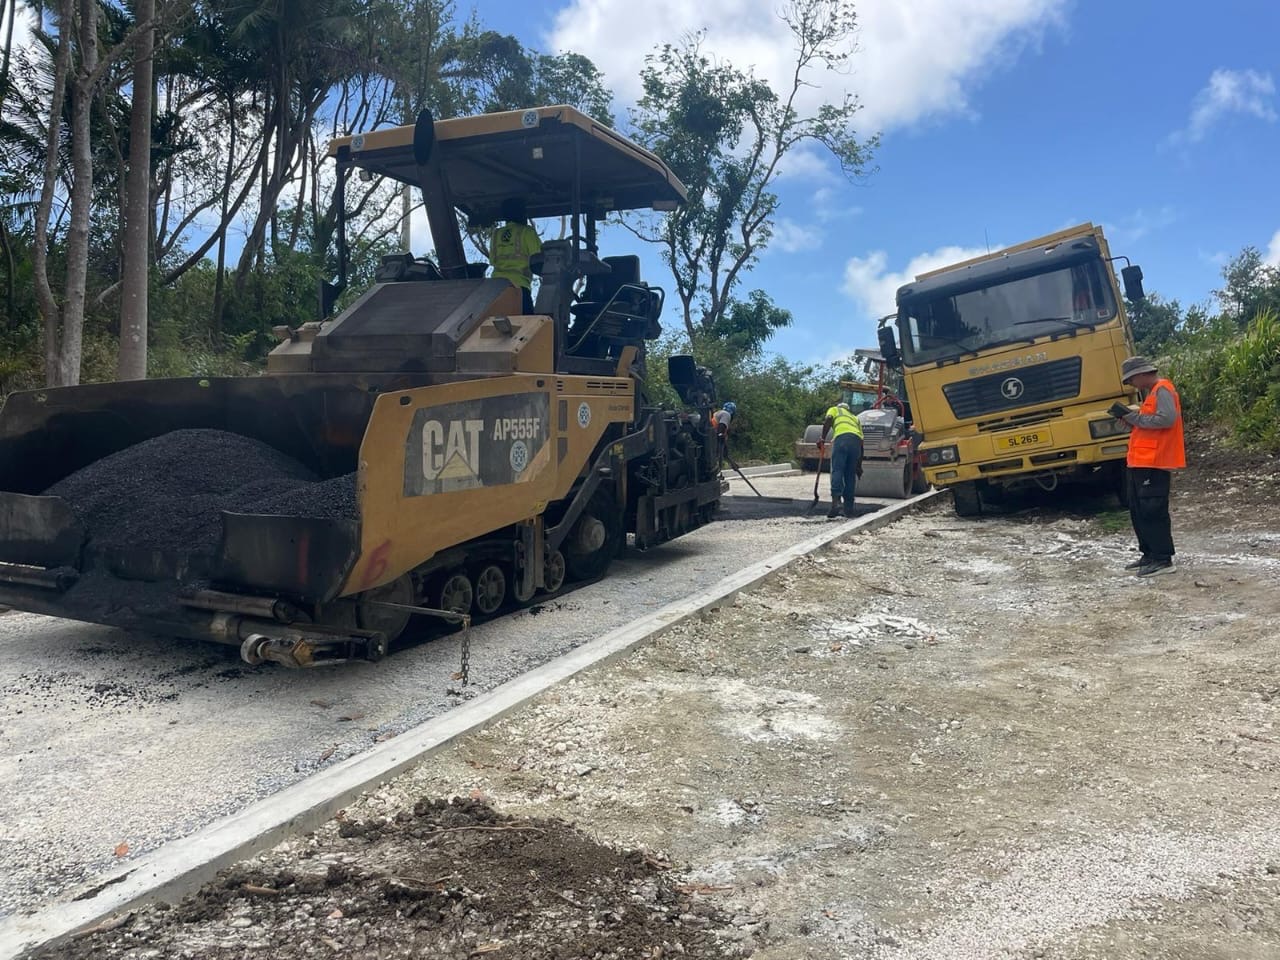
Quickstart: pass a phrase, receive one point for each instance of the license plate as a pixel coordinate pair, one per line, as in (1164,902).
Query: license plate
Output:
(1040,437)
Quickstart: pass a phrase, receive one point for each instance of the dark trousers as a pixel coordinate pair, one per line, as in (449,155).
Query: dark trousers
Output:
(846,452)
(1149,511)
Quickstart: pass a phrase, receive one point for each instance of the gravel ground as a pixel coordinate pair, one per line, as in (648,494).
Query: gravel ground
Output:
(946,740)
(112,742)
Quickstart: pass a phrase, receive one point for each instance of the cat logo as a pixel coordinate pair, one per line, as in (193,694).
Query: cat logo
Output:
(470,444)
(451,450)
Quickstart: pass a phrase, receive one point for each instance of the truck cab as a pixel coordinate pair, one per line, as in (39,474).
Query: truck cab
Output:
(1011,361)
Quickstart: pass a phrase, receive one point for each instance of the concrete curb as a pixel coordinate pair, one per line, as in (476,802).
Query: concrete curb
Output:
(182,866)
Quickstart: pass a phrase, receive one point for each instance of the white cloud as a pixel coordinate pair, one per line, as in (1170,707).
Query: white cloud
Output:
(873,287)
(870,283)
(792,237)
(1139,224)
(1250,92)
(1273,250)
(806,163)
(827,206)
(915,60)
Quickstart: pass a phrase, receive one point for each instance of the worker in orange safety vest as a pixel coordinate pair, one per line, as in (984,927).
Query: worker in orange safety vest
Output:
(1155,450)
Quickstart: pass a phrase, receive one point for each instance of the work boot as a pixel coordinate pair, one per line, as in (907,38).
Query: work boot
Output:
(1155,568)
(848,508)
(834,511)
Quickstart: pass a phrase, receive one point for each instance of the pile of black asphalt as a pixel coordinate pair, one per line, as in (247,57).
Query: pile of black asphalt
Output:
(167,496)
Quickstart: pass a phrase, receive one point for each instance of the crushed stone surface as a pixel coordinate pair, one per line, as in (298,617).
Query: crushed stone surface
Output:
(97,724)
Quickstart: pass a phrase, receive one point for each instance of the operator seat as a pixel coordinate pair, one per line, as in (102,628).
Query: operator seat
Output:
(616,306)
(396,267)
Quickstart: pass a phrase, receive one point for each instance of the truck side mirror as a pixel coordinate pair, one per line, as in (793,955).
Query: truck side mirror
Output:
(889,346)
(424,138)
(1132,277)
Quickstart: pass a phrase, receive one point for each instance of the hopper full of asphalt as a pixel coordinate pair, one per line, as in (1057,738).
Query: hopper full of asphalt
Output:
(167,495)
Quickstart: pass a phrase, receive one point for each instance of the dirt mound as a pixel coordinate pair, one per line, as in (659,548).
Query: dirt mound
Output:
(452,879)
(1223,471)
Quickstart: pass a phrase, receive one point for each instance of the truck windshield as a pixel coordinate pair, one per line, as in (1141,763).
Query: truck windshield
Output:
(952,325)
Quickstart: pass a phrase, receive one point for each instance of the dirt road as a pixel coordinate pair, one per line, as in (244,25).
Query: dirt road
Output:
(950,739)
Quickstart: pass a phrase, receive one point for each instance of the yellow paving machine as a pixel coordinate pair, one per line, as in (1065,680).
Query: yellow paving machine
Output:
(433,450)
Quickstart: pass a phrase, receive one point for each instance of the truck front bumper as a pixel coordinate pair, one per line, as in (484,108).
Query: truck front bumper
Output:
(1056,446)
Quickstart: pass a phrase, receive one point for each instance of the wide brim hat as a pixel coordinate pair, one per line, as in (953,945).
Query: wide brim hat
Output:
(1134,366)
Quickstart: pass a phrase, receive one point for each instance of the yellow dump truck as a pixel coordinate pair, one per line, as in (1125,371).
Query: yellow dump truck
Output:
(432,450)
(1011,361)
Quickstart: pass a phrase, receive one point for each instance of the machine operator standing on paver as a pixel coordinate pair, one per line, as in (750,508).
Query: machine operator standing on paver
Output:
(846,455)
(511,246)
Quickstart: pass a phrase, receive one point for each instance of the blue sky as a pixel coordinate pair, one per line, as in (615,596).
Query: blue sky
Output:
(1002,120)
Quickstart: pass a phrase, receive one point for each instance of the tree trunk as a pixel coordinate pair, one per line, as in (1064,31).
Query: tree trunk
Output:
(50,312)
(73,299)
(137,233)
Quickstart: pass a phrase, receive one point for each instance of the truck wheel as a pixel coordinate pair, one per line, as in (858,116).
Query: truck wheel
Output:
(490,586)
(595,539)
(1118,481)
(968,500)
(918,483)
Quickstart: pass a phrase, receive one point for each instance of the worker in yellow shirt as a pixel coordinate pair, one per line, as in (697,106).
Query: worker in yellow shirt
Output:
(510,246)
(846,455)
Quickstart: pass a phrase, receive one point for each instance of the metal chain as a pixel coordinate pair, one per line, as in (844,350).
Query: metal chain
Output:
(466,651)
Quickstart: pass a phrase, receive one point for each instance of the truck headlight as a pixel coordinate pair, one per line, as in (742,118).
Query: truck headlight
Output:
(942,455)
(1107,428)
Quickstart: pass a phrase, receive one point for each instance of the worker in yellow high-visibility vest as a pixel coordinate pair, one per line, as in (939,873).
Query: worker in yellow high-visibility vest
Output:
(846,455)
(510,246)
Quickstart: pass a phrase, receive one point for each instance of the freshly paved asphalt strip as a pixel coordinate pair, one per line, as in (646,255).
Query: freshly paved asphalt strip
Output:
(182,865)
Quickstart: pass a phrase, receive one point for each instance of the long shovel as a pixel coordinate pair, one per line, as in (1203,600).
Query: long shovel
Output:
(817,477)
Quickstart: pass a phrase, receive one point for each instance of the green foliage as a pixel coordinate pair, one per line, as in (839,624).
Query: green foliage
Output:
(746,325)
(1154,322)
(1234,377)
(1250,287)
(1113,521)
(726,133)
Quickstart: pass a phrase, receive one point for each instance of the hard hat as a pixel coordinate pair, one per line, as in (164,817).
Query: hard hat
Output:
(731,407)
(843,405)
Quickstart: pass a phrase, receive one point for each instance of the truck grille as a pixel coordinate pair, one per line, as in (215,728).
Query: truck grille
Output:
(1041,383)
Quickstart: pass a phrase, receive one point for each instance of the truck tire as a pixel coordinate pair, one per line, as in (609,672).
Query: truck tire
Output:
(595,539)
(1118,482)
(967,498)
(918,483)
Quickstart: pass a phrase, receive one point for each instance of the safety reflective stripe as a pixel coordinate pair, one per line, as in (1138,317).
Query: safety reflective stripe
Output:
(511,246)
(1158,448)
(843,421)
